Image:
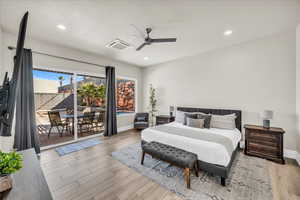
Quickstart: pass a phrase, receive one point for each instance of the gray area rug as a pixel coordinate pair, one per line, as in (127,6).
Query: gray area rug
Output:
(249,177)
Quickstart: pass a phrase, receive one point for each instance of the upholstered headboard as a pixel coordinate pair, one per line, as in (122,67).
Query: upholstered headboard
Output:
(238,120)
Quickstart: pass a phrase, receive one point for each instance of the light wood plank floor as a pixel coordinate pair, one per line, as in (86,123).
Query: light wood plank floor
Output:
(92,174)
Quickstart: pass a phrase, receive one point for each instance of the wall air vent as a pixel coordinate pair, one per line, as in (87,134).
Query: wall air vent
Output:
(118,44)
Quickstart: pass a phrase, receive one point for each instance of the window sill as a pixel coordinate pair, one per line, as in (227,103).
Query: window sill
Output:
(125,114)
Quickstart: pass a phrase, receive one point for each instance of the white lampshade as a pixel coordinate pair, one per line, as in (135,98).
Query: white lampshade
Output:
(267,114)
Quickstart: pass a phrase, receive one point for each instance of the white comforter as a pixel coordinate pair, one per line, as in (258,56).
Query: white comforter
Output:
(209,152)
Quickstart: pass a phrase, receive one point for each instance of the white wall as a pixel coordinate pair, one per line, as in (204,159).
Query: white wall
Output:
(122,69)
(1,71)
(252,76)
(45,86)
(1,52)
(298,82)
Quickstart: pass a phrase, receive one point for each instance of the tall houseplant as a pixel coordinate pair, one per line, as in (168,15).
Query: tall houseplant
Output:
(152,105)
(9,164)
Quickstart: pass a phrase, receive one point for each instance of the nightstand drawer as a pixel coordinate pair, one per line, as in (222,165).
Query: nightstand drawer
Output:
(164,119)
(263,142)
(269,156)
(257,135)
(261,148)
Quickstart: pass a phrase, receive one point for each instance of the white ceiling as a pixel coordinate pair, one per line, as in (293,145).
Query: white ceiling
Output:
(197,24)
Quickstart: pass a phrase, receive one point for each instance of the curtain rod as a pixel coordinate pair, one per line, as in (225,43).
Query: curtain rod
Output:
(60,57)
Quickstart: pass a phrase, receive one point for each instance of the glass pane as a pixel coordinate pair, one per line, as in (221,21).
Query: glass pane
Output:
(125,96)
(54,105)
(90,105)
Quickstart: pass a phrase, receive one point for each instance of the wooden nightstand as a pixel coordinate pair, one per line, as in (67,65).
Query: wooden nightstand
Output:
(164,119)
(264,143)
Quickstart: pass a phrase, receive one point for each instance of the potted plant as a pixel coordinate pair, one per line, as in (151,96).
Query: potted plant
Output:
(152,106)
(9,164)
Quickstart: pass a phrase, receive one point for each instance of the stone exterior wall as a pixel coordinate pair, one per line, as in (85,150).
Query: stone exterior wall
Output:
(125,95)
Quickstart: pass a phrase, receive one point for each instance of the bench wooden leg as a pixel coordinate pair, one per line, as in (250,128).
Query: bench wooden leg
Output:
(187,177)
(143,157)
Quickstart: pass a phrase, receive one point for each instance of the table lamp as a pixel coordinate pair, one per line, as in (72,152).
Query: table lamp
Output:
(266,116)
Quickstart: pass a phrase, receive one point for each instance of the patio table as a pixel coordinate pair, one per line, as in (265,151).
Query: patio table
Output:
(71,116)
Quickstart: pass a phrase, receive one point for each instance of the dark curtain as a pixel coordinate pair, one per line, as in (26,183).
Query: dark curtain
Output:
(25,131)
(111,111)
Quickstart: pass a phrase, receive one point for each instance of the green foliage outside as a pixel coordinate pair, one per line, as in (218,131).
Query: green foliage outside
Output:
(61,79)
(10,163)
(91,94)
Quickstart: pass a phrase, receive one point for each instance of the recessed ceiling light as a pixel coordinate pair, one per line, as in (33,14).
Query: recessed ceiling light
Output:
(146,58)
(228,32)
(61,27)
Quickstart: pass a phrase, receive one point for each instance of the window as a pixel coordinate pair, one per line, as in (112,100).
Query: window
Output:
(126,95)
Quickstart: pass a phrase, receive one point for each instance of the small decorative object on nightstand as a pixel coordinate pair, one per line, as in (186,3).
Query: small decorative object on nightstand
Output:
(267,115)
(164,119)
(264,142)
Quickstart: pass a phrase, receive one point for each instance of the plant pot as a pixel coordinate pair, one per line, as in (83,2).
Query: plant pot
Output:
(5,183)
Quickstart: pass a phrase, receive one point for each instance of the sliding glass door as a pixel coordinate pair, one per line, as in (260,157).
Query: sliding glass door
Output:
(64,114)
(54,100)
(90,105)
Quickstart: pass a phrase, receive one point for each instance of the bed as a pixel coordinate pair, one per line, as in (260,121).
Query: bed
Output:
(212,157)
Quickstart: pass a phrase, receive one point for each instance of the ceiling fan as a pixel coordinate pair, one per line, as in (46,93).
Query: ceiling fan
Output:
(149,40)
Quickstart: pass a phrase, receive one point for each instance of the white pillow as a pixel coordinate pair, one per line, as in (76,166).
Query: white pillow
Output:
(179,116)
(223,121)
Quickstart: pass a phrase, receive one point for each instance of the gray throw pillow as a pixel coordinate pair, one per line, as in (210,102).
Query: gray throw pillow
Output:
(189,115)
(207,119)
(223,121)
(196,123)
(141,118)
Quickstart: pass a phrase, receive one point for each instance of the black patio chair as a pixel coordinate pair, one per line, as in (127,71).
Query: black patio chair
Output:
(87,120)
(99,120)
(141,120)
(55,121)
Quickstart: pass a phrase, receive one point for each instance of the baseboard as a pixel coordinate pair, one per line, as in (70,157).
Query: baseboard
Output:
(292,154)
(125,128)
(298,159)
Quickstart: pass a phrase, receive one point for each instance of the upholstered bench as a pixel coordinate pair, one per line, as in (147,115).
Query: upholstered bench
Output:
(172,155)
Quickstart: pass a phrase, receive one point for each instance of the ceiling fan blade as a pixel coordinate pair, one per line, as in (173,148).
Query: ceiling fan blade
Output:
(164,40)
(141,33)
(141,46)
